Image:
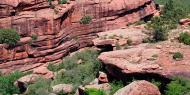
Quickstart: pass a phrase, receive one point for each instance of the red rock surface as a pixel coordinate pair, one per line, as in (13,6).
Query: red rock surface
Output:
(149,58)
(120,36)
(58,30)
(139,88)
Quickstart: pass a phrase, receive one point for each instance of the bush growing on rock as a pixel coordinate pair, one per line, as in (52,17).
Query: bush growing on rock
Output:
(117,46)
(9,36)
(86,20)
(185,38)
(41,87)
(34,37)
(178,56)
(93,91)
(7,83)
(63,1)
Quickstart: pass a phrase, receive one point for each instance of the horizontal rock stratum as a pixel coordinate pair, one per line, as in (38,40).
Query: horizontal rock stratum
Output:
(58,30)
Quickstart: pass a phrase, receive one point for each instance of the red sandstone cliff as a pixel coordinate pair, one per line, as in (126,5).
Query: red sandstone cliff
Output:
(59,31)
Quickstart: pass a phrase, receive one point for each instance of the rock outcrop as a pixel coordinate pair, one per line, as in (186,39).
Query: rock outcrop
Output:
(139,88)
(120,37)
(65,88)
(148,59)
(58,30)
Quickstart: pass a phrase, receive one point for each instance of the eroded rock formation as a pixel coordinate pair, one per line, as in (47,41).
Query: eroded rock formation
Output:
(139,88)
(149,59)
(58,30)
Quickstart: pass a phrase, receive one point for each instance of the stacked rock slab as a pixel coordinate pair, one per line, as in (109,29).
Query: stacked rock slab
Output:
(58,30)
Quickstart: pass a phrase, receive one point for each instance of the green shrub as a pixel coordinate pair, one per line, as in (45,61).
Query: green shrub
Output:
(34,37)
(9,36)
(93,91)
(115,86)
(178,56)
(78,74)
(86,20)
(169,19)
(160,34)
(157,83)
(41,87)
(63,1)
(178,86)
(7,83)
(185,38)
(118,47)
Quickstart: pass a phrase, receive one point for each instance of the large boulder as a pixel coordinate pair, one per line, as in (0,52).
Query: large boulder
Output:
(43,72)
(139,88)
(148,59)
(65,88)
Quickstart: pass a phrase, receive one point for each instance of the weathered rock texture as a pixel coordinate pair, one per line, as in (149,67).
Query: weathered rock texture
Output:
(58,30)
(139,88)
(148,59)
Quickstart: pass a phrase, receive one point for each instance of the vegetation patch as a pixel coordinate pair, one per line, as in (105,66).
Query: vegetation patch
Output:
(86,20)
(169,19)
(7,86)
(178,56)
(115,86)
(178,86)
(34,37)
(77,74)
(63,1)
(9,36)
(93,91)
(41,87)
(185,38)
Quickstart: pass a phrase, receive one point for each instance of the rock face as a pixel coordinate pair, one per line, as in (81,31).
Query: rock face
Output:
(139,88)
(120,37)
(66,88)
(148,59)
(58,30)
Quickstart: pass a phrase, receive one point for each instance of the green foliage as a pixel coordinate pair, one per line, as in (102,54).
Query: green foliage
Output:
(86,20)
(9,36)
(178,86)
(116,85)
(169,19)
(178,56)
(78,74)
(93,91)
(160,34)
(185,38)
(157,83)
(7,83)
(118,47)
(63,1)
(41,87)
(34,37)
